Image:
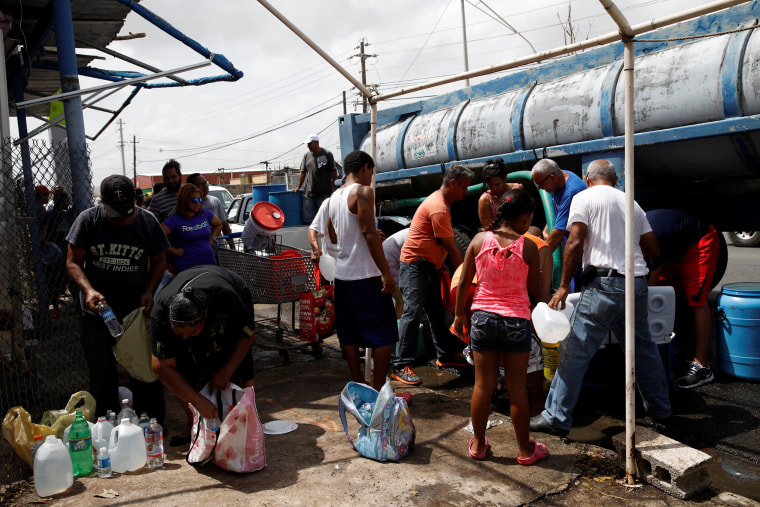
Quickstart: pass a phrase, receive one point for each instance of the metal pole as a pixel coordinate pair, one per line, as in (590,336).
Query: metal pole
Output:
(464,45)
(316,48)
(598,41)
(134,159)
(630,242)
(72,107)
(121,145)
(364,74)
(373,144)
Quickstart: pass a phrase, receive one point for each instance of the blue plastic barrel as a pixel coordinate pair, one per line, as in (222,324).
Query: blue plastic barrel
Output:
(738,333)
(290,204)
(261,192)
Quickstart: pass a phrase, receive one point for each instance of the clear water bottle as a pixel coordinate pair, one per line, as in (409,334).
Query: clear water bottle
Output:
(144,423)
(213,424)
(38,440)
(154,444)
(114,326)
(126,412)
(80,446)
(104,463)
(111,417)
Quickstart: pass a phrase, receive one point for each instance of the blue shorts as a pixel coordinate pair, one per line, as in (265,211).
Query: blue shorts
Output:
(491,332)
(364,316)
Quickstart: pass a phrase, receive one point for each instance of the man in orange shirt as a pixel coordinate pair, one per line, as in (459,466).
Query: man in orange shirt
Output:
(430,240)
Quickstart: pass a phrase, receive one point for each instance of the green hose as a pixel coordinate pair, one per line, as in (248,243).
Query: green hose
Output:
(546,202)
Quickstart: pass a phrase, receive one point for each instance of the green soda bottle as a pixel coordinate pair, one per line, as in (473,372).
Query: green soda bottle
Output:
(80,446)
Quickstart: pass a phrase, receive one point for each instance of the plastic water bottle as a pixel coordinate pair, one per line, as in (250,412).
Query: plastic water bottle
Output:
(144,423)
(37,444)
(126,412)
(52,468)
(154,444)
(104,463)
(80,446)
(213,424)
(114,326)
(111,417)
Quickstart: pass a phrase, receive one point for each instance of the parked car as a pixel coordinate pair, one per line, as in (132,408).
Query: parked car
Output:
(744,238)
(222,194)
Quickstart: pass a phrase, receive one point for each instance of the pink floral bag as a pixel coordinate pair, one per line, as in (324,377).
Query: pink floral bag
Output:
(238,444)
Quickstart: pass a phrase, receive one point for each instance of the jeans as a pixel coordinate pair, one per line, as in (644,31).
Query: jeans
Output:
(601,309)
(310,206)
(97,343)
(421,289)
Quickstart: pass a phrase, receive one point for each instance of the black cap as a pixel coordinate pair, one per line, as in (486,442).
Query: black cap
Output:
(118,196)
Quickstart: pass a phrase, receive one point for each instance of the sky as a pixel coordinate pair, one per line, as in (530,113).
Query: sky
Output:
(288,91)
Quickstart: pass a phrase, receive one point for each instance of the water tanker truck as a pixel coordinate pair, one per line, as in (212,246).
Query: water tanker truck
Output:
(697,125)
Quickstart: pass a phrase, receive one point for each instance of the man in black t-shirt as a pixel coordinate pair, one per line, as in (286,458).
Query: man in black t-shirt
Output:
(202,329)
(689,251)
(317,175)
(116,256)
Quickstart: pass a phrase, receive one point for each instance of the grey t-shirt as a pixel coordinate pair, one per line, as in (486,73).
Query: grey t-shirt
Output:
(116,260)
(318,169)
(216,205)
(162,205)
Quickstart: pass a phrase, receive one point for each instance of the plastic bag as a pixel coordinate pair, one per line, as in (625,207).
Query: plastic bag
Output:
(132,349)
(59,420)
(238,444)
(19,431)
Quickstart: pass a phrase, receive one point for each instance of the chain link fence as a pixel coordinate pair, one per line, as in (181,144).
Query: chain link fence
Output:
(42,359)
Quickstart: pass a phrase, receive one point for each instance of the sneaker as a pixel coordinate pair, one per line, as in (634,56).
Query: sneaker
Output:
(696,375)
(456,360)
(407,376)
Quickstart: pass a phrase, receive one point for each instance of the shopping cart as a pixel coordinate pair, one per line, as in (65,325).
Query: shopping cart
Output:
(275,274)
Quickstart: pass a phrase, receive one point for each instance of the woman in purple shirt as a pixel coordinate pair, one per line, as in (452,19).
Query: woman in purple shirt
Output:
(191,230)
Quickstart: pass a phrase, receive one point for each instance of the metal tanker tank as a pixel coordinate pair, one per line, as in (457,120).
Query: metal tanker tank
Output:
(684,85)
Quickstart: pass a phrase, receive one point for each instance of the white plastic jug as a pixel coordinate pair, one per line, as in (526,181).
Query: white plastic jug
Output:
(551,326)
(53,472)
(127,447)
(101,435)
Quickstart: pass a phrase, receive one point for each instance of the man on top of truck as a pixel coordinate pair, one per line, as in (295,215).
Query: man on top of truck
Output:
(430,240)
(316,177)
(563,186)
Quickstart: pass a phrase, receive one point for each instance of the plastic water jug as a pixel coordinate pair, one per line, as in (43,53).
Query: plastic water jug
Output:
(101,434)
(127,447)
(53,472)
(551,326)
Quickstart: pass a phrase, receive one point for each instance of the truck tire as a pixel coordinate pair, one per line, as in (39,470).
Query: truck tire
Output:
(744,238)
(463,239)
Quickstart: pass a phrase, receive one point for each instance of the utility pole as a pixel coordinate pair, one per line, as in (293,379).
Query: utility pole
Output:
(134,159)
(363,56)
(266,165)
(121,145)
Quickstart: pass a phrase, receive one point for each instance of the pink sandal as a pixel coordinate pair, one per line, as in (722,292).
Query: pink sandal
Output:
(540,451)
(480,456)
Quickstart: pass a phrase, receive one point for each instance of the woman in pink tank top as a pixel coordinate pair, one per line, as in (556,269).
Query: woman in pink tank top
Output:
(508,270)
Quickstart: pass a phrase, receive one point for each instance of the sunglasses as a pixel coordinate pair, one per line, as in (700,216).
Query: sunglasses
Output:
(196,200)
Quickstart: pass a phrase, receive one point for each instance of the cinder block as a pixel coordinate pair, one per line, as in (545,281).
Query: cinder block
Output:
(667,464)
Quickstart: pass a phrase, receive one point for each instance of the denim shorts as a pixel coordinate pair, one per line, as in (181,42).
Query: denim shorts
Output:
(491,332)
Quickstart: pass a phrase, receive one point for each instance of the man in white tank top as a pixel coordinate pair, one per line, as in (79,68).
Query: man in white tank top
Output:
(364,312)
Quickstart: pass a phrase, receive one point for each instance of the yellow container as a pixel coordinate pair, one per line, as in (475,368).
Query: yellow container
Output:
(551,359)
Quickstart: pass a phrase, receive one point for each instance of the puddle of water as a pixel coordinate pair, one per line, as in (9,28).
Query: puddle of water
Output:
(733,474)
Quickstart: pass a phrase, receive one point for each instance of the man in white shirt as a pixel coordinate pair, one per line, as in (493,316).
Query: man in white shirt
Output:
(597,234)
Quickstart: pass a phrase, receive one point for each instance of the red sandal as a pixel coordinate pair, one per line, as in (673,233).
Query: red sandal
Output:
(540,451)
(480,456)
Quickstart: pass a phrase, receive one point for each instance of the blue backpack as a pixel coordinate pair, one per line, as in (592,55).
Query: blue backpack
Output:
(386,430)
